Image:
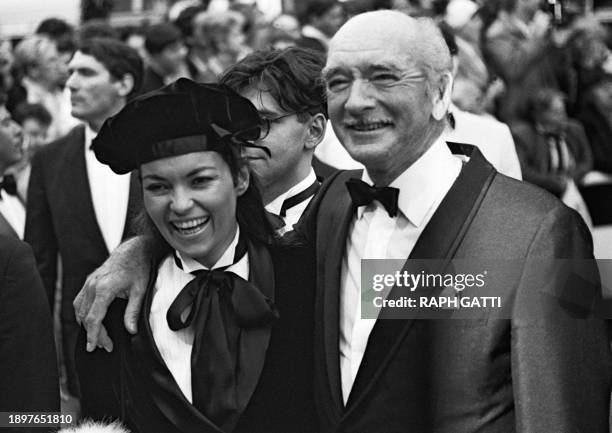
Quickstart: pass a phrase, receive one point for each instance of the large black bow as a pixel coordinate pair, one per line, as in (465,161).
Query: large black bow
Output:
(222,307)
(363,194)
(250,306)
(9,185)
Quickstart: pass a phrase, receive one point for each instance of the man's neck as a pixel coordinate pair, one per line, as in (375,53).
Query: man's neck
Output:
(96,124)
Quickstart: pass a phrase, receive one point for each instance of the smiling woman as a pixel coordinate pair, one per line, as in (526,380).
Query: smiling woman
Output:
(213,353)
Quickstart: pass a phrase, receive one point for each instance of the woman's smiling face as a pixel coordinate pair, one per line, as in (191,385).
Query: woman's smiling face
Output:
(191,199)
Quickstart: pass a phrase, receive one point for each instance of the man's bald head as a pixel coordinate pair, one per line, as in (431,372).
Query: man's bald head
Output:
(420,39)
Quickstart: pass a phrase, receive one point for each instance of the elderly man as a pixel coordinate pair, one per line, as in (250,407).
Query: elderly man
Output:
(542,367)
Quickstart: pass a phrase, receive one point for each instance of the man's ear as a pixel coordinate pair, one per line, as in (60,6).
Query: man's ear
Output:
(316,131)
(442,96)
(241,184)
(125,85)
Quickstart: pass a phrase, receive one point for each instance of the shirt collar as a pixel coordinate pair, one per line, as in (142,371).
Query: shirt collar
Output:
(90,134)
(227,258)
(422,183)
(275,205)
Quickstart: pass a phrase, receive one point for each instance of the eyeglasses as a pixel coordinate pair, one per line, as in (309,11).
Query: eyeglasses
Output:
(266,123)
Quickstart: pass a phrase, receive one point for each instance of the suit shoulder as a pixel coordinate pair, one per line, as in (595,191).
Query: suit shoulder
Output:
(53,150)
(12,249)
(523,197)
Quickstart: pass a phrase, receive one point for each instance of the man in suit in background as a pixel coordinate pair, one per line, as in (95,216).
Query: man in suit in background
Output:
(28,364)
(286,89)
(165,61)
(77,207)
(540,364)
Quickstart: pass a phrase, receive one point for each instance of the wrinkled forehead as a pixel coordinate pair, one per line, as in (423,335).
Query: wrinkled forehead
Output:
(376,53)
(369,41)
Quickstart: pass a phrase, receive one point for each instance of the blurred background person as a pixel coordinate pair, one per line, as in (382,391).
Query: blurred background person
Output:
(523,49)
(43,73)
(35,121)
(134,36)
(78,209)
(61,33)
(165,59)
(595,113)
(553,149)
(221,42)
(492,137)
(283,32)
(475,87)
(28,365)
(321,19)
(12,209)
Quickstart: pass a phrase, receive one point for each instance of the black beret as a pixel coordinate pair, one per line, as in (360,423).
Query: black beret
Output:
(179,118)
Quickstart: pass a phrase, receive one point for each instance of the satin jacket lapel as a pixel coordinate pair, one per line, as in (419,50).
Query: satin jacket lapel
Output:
(261,274)
(165,393)
(439,240)
(337,212)
(75,193)
(134,205)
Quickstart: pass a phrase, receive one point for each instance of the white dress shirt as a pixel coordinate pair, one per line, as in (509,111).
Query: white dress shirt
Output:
(110,193)
(293,214)
(373,234)
(175,346)
(13,212)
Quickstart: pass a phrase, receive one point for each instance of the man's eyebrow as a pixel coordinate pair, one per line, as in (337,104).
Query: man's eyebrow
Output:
(389,67)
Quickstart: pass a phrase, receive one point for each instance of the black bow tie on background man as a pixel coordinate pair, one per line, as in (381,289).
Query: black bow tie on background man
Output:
(9,185)
(363,194)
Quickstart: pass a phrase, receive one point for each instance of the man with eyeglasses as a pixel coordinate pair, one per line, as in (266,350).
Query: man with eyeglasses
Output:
(285,87)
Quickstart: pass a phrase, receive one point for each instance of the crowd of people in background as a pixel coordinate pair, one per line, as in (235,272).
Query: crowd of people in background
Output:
(538,81)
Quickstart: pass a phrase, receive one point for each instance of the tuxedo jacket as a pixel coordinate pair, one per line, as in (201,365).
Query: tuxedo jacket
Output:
(60,219)
(542,370)
(28,364)
(133,383)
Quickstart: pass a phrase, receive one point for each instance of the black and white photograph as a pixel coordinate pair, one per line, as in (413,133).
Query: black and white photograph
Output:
(305,216)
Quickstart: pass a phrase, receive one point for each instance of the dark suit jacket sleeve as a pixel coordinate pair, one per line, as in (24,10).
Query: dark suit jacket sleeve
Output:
(39,232)
(560,349)
(28,365)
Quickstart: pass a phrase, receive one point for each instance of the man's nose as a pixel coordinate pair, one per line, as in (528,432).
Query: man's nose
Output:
(359,96)
(71,82)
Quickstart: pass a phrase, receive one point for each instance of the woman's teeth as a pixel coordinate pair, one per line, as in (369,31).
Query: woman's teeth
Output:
(190,226)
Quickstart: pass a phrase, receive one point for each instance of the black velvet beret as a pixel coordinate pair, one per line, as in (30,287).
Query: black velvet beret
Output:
(182,117)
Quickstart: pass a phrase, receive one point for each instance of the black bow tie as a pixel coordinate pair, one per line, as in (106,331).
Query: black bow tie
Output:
(363,194)
(9,185)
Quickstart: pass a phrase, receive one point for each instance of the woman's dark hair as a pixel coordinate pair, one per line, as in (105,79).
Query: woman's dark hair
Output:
(250,211)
